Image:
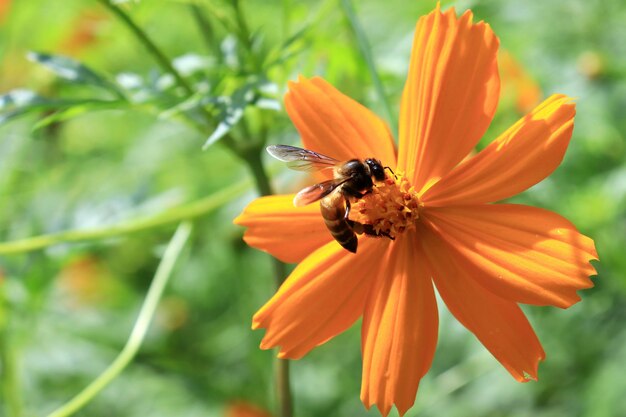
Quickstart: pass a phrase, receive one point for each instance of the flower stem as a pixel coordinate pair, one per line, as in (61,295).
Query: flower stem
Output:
(163,273)
(245,37)
(187,212)
(10,374)
(286,17)
(206,30)
(160,58)
(283,388)
(254,162)
(366,51)
(284,398)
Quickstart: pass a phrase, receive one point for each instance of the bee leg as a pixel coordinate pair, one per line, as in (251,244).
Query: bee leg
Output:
(386,235)
(355,226)
(369,230)
(363,228)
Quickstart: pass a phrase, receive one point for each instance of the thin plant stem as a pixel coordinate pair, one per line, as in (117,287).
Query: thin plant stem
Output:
(286,15)
(10,373)
(161,278)
(245,35)
(366,51)
(284,396)
(159,57)
(206,30)
(187,212)
(255,165)
(282,385)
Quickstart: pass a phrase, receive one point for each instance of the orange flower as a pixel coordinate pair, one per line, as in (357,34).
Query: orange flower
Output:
(483,258)
(84,32)
(518,86)
(5,6)
(242,408)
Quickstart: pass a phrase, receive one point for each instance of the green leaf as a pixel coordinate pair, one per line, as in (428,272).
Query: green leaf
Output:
(291,47)
(76,109)
(190,64)
(230,116)
(232,108)
(256,92)
(268,104)
(73,71)
(20,102)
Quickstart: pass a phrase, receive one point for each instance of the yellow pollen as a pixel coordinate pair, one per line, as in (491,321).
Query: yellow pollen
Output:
(392,207)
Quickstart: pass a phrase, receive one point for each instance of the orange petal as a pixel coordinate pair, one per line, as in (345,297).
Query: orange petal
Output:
(321,298)
(499,324)
(521,157)
(520,253)
(399,330)
(289,233)
(450,95)
(335,125)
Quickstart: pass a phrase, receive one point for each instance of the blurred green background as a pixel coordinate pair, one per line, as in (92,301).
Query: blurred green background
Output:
(67,310)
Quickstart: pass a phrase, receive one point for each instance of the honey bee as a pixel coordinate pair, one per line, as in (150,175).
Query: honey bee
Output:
(351,180)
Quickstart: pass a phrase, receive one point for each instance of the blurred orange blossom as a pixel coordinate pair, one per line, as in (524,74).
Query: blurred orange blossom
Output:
(483,258)
(84,32)
(242,408)
(517,84)
(5,6)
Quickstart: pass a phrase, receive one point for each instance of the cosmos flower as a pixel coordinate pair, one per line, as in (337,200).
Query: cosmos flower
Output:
(83,32)
(483,258)
(518,86)
(241,408)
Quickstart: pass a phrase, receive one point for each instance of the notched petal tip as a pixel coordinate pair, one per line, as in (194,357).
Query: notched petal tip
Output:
(323,296)
(450,95)
(499,324)
(265,345)
(399,332)
(239,220)
(256,323)
(530,374)
(521,253)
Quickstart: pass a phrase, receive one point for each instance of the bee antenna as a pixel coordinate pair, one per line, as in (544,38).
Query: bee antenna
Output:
(392,173)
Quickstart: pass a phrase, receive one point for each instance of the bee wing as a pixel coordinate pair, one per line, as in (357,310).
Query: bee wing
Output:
(301,159)
(315,192)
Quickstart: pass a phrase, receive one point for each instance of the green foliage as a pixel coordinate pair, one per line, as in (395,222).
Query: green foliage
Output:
(101,156)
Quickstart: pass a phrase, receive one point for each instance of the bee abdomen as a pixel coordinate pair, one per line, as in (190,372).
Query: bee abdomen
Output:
(333,211)
(344,236)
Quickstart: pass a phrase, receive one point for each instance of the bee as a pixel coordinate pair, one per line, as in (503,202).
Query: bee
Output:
(351,180)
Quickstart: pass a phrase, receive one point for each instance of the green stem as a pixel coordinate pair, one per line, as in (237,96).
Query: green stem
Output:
(10,379)
(163,273)
(281,366)
(245,36)
(282,383)
(160,58)
(206,30)
(187,212)
(366,51)
(286,18)
(255,165)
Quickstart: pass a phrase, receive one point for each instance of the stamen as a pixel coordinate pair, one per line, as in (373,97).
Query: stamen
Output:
(391,208)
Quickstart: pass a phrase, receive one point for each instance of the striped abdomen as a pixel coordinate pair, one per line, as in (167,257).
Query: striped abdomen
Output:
(333,208)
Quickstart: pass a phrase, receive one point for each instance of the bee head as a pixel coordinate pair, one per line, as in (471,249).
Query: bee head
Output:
(376,169)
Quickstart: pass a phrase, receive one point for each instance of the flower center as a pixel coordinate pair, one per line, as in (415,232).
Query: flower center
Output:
(391,208)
